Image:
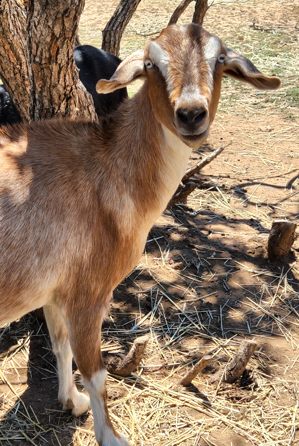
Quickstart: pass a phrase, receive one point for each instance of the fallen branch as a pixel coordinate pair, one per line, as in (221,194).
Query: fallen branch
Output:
(127,365)
(196,369)
(281,239)
(189,183)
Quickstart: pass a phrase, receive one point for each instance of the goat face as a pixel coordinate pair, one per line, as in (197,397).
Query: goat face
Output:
(184,66)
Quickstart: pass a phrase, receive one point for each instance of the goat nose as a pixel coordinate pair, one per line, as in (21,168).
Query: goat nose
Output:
(191,116)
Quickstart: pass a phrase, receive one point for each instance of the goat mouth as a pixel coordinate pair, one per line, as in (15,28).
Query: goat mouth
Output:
(195,137)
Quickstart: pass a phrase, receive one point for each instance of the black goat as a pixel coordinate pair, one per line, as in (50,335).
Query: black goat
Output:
(93,64)
(8,112)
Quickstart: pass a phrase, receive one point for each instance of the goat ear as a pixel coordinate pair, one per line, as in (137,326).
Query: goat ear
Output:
(241,68)
(128,70)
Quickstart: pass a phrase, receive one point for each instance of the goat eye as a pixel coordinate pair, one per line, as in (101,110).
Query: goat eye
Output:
(221,58)
(148,64)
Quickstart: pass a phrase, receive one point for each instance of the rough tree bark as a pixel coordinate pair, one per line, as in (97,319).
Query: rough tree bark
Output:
(37,40)
(200,9)
(114,29)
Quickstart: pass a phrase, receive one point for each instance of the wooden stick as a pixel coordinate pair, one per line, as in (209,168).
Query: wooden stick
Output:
(281,239)
(236,367)
(196,369)
(204,162)
(132,360)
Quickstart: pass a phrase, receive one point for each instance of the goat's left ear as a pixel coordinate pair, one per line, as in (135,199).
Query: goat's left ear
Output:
(241,68)
(127,71)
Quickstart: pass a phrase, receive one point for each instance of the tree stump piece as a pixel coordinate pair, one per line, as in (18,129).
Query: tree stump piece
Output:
(236,367)
(131,361)
(281,239)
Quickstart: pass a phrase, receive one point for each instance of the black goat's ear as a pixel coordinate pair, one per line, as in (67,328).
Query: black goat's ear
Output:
(128,70)
(241,68)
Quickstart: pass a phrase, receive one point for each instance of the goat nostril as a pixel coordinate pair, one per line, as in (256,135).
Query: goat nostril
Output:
(199,115)
(193,116)
(183,115)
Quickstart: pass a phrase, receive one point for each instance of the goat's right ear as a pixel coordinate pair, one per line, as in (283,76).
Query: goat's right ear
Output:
(241,68)
(131,68)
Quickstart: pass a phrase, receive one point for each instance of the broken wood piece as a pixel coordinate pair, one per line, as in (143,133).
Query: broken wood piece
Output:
(281,239)
(237,365)
(196,369)
(131,361)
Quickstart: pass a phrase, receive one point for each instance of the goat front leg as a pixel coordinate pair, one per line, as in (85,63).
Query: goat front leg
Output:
(68,395)
(85,333)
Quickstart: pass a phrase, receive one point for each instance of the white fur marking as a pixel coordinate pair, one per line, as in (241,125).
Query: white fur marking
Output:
(211,51)
(68,393)
(175,156)
(104,434)
(64,369)
(160,58)
(191,93)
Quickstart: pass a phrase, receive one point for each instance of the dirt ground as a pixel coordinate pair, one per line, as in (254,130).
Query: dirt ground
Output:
(204,283)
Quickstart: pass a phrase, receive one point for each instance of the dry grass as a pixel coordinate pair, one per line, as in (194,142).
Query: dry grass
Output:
(203,283)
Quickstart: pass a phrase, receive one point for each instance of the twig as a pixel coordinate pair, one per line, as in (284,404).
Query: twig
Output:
(196,369)
(292,181)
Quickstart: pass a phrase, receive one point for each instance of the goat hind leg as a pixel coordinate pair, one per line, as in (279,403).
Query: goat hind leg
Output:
(68,394)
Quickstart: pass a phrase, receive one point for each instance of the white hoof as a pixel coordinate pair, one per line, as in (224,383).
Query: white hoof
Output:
(112,440)
(78,403)
(81,404)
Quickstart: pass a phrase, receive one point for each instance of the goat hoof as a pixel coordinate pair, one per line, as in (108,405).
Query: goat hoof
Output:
(115,441)
(81,404)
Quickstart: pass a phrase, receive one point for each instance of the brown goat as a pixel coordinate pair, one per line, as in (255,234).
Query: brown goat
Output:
(78,199)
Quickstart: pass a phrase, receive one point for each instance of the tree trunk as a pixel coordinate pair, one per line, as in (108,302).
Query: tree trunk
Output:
(200,9)
(37,40)
(179,11)
(114,29)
